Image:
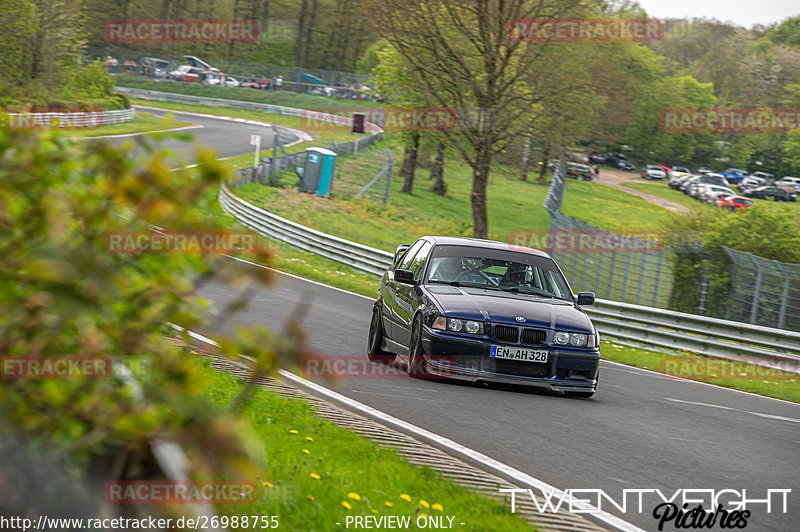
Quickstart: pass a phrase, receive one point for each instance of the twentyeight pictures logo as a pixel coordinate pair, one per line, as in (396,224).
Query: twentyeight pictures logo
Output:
(585,29)
(180,31)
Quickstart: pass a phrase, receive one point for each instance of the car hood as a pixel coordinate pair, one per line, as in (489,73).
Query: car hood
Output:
(504,307)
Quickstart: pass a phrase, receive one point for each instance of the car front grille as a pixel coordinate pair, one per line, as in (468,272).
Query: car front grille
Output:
(506,333)
(534,336)
(521,369)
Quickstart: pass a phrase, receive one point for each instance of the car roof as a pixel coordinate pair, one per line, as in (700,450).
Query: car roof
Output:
(483,244)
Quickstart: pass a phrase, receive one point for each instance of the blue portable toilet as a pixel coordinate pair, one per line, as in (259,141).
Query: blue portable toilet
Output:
(318,171)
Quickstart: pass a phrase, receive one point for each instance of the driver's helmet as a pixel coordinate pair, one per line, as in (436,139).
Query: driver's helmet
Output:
(515,275)
(448,269)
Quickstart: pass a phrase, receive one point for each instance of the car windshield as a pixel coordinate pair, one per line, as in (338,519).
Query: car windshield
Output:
(509,271)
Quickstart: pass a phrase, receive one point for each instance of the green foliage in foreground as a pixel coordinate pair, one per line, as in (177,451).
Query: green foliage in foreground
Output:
(294,444)
(64,293)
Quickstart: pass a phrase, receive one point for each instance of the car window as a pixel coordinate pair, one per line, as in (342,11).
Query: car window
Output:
(409,255)
(419,260)
(510,271)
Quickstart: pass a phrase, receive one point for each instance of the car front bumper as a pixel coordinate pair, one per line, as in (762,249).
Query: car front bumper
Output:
(457,357)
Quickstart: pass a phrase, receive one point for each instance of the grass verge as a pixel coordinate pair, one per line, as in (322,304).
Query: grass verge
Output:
(317,474)
(143,122)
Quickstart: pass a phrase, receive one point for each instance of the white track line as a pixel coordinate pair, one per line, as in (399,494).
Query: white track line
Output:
(442,442)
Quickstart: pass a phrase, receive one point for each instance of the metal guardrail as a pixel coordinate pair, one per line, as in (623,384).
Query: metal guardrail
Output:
(359,256)
(630,323)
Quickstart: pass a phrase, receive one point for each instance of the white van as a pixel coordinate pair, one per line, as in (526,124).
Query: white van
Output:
(788,181)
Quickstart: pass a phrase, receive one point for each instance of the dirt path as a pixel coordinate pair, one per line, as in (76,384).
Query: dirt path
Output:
(618,178)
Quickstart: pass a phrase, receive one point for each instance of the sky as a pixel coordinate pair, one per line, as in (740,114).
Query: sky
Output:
(741,12)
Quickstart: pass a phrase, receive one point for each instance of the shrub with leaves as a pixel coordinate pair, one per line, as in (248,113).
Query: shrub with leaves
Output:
(63,294)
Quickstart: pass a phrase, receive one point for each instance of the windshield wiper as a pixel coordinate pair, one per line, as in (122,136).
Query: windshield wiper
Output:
(466,285)
(529,291)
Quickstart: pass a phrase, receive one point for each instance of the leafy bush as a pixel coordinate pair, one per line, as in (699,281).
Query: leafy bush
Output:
(64,293)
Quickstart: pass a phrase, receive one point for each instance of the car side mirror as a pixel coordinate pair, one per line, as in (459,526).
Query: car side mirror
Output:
(404,276)
(585,298)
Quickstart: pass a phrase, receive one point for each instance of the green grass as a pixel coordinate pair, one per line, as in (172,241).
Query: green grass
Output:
(736,375)
(514,205)
(285,98)
(143,122)
(284,429)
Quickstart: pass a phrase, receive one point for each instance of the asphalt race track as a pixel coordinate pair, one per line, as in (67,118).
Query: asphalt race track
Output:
(640,431)
(227,138)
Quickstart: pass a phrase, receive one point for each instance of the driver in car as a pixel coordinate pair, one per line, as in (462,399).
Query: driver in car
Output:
(447,270)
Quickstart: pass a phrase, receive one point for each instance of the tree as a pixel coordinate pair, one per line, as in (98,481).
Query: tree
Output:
(463,56)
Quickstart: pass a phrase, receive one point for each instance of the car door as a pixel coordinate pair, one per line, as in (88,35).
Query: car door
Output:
(389,293)
(406,299)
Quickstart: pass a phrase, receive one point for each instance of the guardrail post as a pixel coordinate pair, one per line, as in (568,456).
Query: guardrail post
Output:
(388,178)
(784,296)
(641,278)
(756,290)
(624,295)
(611,274)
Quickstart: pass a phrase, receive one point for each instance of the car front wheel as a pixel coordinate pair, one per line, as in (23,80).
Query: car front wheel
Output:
(375,342)
(416,359)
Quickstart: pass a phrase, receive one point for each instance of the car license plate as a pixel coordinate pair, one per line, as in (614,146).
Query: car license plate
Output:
(517,353)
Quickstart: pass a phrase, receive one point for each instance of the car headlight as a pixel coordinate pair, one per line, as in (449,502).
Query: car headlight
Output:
(576,339)
(458,325)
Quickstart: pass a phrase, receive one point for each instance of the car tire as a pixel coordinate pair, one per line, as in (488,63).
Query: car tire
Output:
(375,340)
(416,359)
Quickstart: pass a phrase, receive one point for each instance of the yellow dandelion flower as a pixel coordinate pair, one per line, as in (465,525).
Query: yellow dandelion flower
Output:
(267,484)
(314,475)
(319,458)
(306,451)
(374,511)
(405,497)
(436,506)
(387,503)
(424,503)
(310,497)
(309,438)
(293,432)
(192,352)
(353,495)
(424,516)
(347,505)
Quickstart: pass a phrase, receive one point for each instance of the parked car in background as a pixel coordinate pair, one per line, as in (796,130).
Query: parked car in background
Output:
(683,186)
(714,179)
(220,79)
(188,74)
(703,170)
(763,175)
(678,171)
(155,67)
(734,175)
(734,203)
(770,192)
(580,171)
(619,160)
(597,158)
(578,156)
(789,182)
(676,180)
(751,182)
(710,193)
(652,171)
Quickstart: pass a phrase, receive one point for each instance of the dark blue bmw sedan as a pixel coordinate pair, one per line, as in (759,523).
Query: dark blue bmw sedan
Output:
(480,310)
